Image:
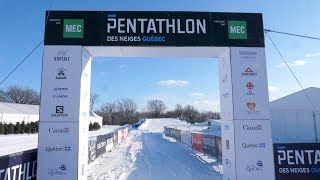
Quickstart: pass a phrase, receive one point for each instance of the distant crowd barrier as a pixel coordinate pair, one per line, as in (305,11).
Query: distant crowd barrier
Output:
(98,145)
(206,143)
(23,165)
(293,161)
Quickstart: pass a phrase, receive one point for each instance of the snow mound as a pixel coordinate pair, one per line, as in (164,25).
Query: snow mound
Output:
(156,125)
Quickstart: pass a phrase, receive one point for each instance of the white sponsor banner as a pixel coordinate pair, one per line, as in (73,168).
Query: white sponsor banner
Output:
(58,147)
(60,83)
(225,84)
(57,153)
(254,150)
(228,150)
(109,144)
(186,137)
(250,86)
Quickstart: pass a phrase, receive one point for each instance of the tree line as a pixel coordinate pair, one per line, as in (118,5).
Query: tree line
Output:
(124,111)
(120,112)
(19,128)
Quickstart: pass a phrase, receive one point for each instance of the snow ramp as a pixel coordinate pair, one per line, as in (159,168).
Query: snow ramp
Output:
(156,125)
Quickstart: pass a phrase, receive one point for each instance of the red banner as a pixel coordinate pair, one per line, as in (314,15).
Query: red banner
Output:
(197,142)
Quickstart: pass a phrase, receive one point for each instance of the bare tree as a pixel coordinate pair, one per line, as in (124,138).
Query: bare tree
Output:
(20,95)
(94,98)
(123,111)
(127,110)
(107,111)
(156,108)
(190,114)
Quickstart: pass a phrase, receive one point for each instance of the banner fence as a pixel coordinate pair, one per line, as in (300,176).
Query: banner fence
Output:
(23,165)
(208,144)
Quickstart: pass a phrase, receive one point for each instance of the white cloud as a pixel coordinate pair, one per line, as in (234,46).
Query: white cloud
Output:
(196,94)
(300,62)
(273,89)
(207,105)
(173,83)
(309,55)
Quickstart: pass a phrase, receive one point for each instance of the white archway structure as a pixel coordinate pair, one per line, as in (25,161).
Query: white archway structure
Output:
(72,38)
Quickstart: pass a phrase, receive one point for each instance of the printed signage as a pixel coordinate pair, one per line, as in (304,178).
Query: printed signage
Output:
(296,161)
(237,30)
(125,28)
(73,28)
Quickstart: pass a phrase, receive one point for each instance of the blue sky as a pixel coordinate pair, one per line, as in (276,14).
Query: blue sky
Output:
(193,81)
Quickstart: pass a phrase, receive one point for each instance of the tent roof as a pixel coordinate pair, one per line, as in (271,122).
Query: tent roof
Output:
(13,108)
(299,100)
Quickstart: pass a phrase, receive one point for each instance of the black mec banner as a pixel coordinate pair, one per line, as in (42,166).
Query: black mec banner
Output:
(145,28)
(297,161)
(19,166)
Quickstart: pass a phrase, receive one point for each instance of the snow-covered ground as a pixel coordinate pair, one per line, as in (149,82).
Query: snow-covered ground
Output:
(146,155)
(22,142)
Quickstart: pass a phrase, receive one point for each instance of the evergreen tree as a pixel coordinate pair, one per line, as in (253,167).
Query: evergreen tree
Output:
(90,127)
(37,126)
(33,127)
(27,128)
(23,126)
(17,128)
(1,128)
(10,128)
(5,129)
(96,126)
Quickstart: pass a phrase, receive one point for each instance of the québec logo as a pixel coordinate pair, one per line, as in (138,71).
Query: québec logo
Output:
(258,166)
(253,146)
(60,171)
(249,72)
(58,149)
(250,87)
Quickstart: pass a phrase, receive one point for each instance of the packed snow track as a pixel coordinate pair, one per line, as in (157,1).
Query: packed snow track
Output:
(147,155)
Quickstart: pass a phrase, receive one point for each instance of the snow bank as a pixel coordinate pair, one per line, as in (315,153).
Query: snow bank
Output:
(156,125)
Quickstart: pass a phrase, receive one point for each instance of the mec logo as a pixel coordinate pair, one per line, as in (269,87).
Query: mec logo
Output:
(73,28)
(237,30)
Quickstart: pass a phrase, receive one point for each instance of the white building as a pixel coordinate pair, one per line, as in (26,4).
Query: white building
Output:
(13,113)
(294,117)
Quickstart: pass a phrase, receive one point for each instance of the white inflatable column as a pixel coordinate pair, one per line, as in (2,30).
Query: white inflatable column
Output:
(246,127)
(64,108)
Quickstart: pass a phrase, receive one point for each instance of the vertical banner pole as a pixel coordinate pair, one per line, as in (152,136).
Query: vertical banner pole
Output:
(62,152)
(246,126)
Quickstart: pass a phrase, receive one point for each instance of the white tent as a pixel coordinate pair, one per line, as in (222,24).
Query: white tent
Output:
(295,118)
(95,118)
(13,113)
